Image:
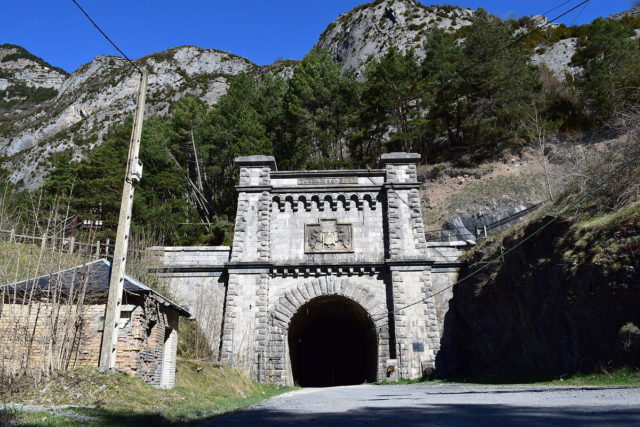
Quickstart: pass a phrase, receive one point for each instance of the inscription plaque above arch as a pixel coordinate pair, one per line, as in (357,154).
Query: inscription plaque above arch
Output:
(328,236)
(326,181)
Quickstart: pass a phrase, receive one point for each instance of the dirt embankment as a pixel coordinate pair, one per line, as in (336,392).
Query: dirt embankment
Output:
(565,301)
(516,180)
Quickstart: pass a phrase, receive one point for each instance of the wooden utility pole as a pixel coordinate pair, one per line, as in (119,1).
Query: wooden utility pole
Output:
(133,175)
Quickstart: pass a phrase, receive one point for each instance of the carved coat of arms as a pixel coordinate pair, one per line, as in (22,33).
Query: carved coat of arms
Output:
(327,236)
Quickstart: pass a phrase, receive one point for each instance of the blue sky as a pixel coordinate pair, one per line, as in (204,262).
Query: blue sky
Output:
(260,30)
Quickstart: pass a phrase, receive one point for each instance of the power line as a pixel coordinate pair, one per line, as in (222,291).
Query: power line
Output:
(555,218)
(575,18)
(513,43)
(554,8)
(614,174)
(107,37)
(524,36)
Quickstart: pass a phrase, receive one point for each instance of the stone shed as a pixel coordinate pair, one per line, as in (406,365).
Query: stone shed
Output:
(57,320)
(330,279)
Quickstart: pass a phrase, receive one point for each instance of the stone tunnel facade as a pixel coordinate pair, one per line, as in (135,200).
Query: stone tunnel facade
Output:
(352,236)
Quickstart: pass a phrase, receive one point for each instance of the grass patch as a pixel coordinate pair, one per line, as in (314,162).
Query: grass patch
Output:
(21,261)
(611,220)
(620,377)
(625,376)
(120,400)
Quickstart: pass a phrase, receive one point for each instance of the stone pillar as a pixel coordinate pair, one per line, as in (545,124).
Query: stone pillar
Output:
(414,317)
(245,333)
(251,238)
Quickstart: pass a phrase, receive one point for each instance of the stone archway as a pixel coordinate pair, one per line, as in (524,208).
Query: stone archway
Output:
(368,306)
(332,341)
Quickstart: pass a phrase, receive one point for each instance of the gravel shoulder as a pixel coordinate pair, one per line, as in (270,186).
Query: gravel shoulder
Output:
(444,404)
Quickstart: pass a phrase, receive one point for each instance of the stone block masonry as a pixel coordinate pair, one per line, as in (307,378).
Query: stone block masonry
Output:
(319,255)
(147,340)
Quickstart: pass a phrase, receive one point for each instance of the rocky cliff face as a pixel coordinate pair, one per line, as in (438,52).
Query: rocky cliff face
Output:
(103,92)
(25,80)
(557,57)
(368,31)
(547,311)
(17,66)
(634,11)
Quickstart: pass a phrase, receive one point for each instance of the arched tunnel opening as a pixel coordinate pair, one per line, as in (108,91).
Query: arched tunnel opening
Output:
(332,341)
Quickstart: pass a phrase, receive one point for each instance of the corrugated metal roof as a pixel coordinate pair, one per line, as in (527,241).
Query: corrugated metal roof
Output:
(96,275)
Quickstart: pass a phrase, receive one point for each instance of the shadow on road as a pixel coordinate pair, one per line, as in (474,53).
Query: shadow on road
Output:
(493,415)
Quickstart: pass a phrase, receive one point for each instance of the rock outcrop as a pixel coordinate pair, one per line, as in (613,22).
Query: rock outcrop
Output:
(483,222)
(634,11)
(368,31)
(17,66)
(102,93)
(557,57)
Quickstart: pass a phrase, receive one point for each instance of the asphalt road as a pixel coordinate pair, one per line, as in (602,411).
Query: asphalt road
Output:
(444,405)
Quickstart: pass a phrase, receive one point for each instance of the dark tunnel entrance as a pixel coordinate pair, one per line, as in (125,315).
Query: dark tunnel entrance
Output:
(332,341)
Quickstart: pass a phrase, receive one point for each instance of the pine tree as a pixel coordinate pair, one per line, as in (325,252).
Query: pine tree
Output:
(392,116)
(611,62)
(235,129)
(496,86)
(319,103)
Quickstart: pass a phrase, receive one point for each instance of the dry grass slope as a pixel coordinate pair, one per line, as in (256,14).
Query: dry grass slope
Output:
(99,398)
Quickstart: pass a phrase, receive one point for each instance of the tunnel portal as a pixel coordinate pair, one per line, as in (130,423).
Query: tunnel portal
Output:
(332,341)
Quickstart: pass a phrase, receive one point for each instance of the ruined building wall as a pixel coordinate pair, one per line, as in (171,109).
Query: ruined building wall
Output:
(47,335)
(147,342)
(28,331)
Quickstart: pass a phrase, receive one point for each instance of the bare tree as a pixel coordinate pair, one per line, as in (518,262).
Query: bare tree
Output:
(534,126)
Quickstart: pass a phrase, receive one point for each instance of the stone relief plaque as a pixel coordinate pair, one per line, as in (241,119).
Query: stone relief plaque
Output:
(327,181)
(328,236)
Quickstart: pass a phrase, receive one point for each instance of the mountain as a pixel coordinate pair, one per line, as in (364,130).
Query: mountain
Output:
(44,110)
(368,31)
(73,112)
(633,12)
(25,80)
(101,93)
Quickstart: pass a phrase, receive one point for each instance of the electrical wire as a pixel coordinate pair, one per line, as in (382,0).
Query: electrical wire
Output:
(523,37)
(517,40)
(106,36)
(544,226)
(611,176)
(575,18)
(554,8)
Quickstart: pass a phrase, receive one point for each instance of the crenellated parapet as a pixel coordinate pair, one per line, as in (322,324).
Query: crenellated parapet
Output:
(320,202)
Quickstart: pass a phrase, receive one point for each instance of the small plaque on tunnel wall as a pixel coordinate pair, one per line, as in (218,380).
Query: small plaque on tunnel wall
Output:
(418,347)
(328,236)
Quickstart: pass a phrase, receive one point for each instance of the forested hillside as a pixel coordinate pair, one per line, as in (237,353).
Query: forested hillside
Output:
(470,96)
